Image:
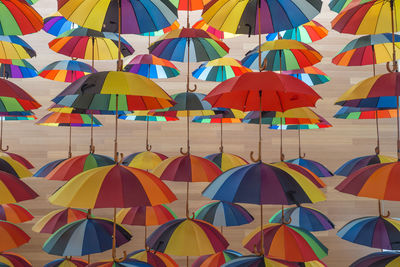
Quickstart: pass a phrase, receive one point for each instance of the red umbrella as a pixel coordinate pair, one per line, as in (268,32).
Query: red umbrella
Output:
(58,218)
(11,236)
(14,213)
(21,160)
(13,190)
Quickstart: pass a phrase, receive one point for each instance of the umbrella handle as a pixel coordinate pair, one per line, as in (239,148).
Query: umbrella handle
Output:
(393,68)
(92,149)
(302,156)
(377,150)
(286,222)
(282,157)
(263,65)
(385,216)
(221,149)
(121,159)
(184,153)
(121,259)
(4,149)
(148,147)
(255,159)
(248,25)
(191,90)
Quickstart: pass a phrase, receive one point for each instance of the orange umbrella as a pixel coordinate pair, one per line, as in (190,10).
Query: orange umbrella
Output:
(11,236)
(14,213)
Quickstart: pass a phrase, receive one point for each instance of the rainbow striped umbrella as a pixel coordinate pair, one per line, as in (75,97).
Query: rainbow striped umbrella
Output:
(11,166)
(155,258)
(355,164)
(47,168)
(20,159)
(120,263)
(365,113)
(307,173)
(11,236)
(251,261)
(302,115)
(146,215)
(13,47)
(13,190)
(14,98)
(310,75)
(146,160)
(163,31)
(339,5)
(309,32)
(152,67)
(66,71)
(226,161)
(11,259)
(219,34)
(14,213)
(56,219)
(313,166)
(16,68)
(56,24)
(378,259)
(19,18)
(68,261)
(217,259)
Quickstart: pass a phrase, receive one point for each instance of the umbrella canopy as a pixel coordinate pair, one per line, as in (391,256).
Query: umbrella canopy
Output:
(84,237)
(11,166)
(163,31)
(124,263)
(14,98)
(70,262)
(89,44)
(244,18)
(19,18)
(136,16)
(16,68)
(286,242)
(13,47)
(309,32)
(310,75)
(282,55)
(374,231)
(202,46)
(355,164)
(13,260)
(56,24)
(71,167)
(20,159)
(222,213)
(261,183)
(187,237)
(292,116)
(217,259)
(14,190)
(152,67)
(368,50)
(318,125)
(187,168)
(66,71)
(11,236)
(251,261)
(219,70)
(378,259)
(226,161)
(146,215)
(365,113)
(14,213)
(56,219)
(47,168)
(146,160)
(155,258)
(58,119)
(374,181)
(205,27)
(313,166)
(145,116)
(339,5)
(304,217)
(130,187)
(307,173)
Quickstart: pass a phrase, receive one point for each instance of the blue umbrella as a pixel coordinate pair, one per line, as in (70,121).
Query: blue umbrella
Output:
(56,24)
(313,166)
(84,237)
(357,163)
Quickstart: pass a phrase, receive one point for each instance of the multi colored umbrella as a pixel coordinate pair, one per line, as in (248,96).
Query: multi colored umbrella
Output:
(14,213)
(152,67)
(120,263)
(217,259)
(11,236)
(13,47)
(11,166)
(68,261)
(20,159)
(146,160)
(378,259)
(13,260)
(155,258)
(314,166)
(47,168)
(219,70)
(375,232)
(226,161)
(187,237)
(310,75)
(14,98)
(55,24)
(286,242)
(280,55)
(16,68)
(13,190)
(219,34)
(304,217)
(355,164)
(84,237)
(339,5)
(354,113)
(309,32)
(66,71)
(307,173)
(19,18)
(163,31)
(260,260)
(56,219)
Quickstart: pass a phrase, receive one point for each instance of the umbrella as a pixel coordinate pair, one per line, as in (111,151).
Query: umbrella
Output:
(56,219)
(114,91)
(84,237)
(13,260)
(55,24)
(219,70)
(70,262)
(155,258)
(57,119)
(16,68)
(187,237)
(373,231)
(146,160)
(378,259)
(355,164)
(14,190)
(310,75)
(120,263)
(14,213)
(200,24)
(163,31)
(19,18)
(281,55)
(71,167)
(152,67)
(307,173)
(20,159)
(66,71)
(252,261)
(286,242)
(217,259)
(313,166)
(309,32)
(47,168)
(222,213)
(11,166)
(304,217)
(187,168)
(354,113)
(339,5)
(226,161)
(11,236)
(13,47)
(14,98)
